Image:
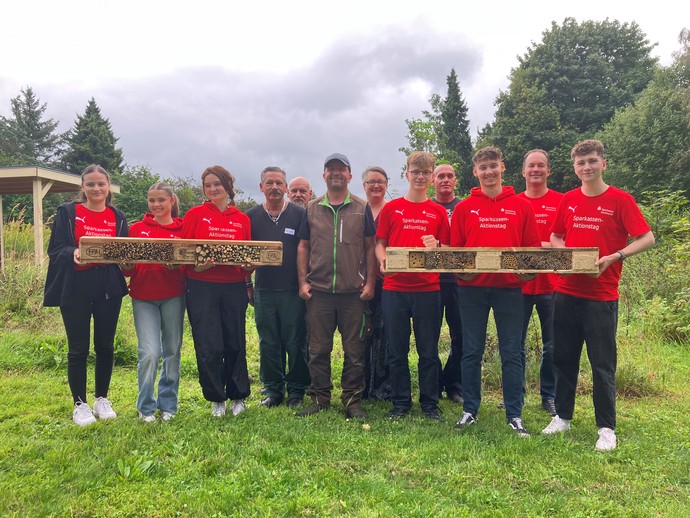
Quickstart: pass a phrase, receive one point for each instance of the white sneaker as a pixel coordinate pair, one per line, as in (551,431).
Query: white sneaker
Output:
(147,418)
(238,406)
(607,440)
(218,409)
(557,425)
(82,414)
(103,410)
(167,416)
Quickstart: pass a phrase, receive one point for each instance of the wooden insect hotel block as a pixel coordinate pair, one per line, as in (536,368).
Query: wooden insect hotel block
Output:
(492,260)
(179,251)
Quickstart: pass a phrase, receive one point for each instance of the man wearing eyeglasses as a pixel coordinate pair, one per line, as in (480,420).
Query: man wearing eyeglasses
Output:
(336,267)
(413,221)
(451,375)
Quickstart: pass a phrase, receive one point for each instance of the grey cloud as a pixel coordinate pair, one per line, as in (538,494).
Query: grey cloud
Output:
(353,99)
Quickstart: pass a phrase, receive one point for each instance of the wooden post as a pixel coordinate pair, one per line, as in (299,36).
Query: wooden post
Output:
(2,238)
(39,191)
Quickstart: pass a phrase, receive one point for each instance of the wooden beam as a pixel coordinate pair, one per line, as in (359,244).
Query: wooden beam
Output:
(2,238)
(492,260)
(38,220)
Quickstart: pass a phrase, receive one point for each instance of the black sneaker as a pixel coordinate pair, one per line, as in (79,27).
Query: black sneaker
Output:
(465,421)
(312,409)
(433,412)
(518,427)
(549,405)
(398,412)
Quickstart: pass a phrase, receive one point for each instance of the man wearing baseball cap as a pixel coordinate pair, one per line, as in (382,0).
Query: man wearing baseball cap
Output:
(336,268)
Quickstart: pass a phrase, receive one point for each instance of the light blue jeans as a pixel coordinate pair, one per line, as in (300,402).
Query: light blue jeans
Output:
(159,331)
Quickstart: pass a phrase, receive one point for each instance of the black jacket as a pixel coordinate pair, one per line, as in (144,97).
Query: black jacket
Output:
(60,279)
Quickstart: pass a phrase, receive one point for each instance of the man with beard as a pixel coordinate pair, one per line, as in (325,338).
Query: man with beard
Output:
(337,273)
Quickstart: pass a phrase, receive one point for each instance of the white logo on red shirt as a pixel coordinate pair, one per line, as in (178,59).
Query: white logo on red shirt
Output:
(400,212)
(207,220)
(605,212)
(83,220)
(475,212)
(429,214)
(147,234)
(548,209)
(509,212)
(572,208)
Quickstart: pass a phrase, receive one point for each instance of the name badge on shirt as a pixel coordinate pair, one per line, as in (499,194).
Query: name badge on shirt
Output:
(290,231)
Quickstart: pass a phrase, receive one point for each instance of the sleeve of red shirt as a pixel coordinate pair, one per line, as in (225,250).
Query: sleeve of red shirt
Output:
(558,226)
(530,232)
(634,221)
(189,224)
(444,229)
(383,229)
(457,234)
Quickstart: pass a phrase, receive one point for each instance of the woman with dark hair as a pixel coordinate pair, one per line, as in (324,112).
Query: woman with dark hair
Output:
(157,293)
(217,296)
(83,291)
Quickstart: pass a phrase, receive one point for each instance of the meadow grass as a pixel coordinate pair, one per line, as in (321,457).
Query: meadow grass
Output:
(267,462)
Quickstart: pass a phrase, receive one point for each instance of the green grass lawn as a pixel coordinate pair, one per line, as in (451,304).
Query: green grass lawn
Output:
(268,462)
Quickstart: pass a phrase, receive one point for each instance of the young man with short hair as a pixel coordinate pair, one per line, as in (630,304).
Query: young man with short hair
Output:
(413,221)
(492,216)
(586,307)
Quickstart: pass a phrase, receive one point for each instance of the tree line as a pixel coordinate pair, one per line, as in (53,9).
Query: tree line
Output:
(595,79)
(582,80)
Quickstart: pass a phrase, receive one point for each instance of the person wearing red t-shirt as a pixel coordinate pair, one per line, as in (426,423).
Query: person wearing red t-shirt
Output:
(217,296)
(536,169)
(492,216)
(413,221)
(84,291)
(586,307)
(157,293)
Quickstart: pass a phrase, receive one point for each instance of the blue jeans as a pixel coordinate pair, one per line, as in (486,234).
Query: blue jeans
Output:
(475,303)
(159,331)
(544,304)
(424,308)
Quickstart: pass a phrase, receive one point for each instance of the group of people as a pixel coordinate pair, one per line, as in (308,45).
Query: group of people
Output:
(334,276)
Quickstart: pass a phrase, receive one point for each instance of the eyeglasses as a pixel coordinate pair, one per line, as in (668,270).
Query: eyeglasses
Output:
(425,174)
(371,183)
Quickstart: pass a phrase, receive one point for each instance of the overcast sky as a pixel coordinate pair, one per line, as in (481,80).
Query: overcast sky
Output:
(191,84)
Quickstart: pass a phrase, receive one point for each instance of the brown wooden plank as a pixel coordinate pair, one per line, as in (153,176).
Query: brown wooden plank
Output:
(179,251)
(492,260)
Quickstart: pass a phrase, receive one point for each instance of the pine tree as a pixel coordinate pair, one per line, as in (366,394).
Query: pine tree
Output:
(25,136)
(455,142)
(92,141)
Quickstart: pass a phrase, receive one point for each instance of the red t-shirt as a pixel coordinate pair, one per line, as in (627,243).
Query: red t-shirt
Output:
(402,223)
(155,281)
(206,221)
(90,223)
(604,221)
(503,221)
(545,208)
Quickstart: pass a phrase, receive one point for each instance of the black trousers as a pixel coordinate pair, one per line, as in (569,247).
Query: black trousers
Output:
(90,300)
(577,321)
(451,376)
(217,312)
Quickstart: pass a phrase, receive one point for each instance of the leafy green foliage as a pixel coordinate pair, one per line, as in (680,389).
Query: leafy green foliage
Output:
(134,185)
(648,143)
(565,89)
(92,141)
